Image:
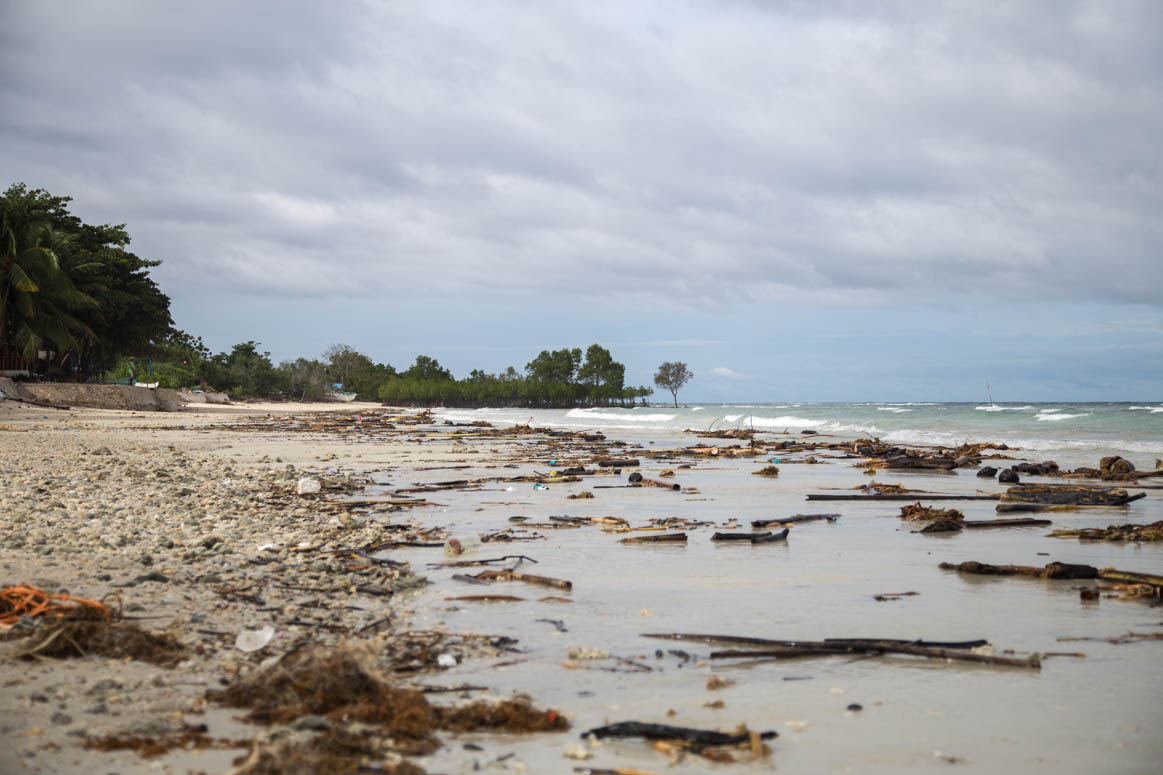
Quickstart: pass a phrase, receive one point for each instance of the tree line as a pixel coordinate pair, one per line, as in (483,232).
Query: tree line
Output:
(76,304)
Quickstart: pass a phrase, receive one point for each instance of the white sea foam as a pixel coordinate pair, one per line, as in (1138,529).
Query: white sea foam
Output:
(896,409)
(786,421)
(731,417)
(996,408)
(1048,411)
(1056,416)
(595,414)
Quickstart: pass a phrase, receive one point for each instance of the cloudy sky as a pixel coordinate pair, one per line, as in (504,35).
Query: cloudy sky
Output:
(801,200)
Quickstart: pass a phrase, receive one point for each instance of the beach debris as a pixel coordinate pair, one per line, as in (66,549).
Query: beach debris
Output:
(1018,522)
(308,486)
(658,538)
(583,495)
(917,512)
(489,561)
(74,638)
(511,575)
(488,598)
(1053,570)
(1060,497)
(25,600)
(795,519)
(885,597)
(693,737)
(1130,637)
(1141,585)
(188,737)
(755,538)
(582,654)
(458,545)
(1151,532)
(343,684)
(962,651)
(913,496)
(769,471)
(248,641)
(881,488)
(618,462)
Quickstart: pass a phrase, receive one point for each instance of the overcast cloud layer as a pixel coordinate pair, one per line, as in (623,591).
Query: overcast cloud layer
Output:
(745,186)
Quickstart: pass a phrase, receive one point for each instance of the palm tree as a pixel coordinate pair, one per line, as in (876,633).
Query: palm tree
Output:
(36,295)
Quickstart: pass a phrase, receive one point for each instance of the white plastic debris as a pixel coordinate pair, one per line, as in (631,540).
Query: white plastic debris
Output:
(253,640)
(308,486)
(446,660)
(576,752)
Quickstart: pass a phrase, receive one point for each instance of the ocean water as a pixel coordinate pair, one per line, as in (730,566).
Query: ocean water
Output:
(1072,434)
(1097,713)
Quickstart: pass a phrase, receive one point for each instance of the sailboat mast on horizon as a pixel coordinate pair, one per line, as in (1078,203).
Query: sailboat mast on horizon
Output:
(987,390)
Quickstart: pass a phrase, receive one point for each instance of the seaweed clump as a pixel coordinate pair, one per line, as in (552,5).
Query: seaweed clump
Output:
(344,685)
(102,638)
(919,513)
(767,471)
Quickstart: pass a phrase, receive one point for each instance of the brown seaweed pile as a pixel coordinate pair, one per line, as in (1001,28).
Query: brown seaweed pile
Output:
(344,685)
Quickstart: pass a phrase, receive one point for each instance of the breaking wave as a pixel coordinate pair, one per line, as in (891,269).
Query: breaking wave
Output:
(1053,415)
(595,414)
(786,421)
(895,409)
(995,408)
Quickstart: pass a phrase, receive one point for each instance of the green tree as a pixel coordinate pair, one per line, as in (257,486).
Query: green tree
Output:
(247,372)
(557,367)
(672,375)
(427,368)
(306,380)
(102,303)
(602,374)
(39,303)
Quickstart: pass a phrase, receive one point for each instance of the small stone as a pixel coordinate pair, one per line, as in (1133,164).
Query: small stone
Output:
(312,723)
(855,707)
(61,719)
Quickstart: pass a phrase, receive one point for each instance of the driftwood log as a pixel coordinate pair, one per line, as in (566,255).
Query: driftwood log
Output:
(788,649)
(794,520)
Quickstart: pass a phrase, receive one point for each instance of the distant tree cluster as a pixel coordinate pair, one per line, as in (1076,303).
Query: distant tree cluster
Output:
(76,304)
(558,378)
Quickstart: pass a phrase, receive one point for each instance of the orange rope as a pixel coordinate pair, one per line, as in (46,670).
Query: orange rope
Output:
(27,600)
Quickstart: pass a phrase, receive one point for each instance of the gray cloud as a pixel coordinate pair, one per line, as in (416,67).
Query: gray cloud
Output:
(674,153)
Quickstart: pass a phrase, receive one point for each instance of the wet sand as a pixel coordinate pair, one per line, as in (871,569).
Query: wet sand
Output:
(1093,714)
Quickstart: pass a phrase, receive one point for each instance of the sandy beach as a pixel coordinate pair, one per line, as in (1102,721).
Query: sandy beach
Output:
(192,522)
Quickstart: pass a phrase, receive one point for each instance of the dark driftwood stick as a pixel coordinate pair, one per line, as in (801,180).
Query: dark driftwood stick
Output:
(794,520)
(755,538)
(880,647)
(1020,522)
(817,496)
(655,539)
(826,643)
(1053,570)
(667,732)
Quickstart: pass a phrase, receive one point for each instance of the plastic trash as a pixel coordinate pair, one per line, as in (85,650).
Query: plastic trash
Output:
(540,486)
(309,486)
(446,660)
(252,640)
(462,544)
